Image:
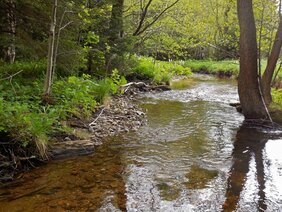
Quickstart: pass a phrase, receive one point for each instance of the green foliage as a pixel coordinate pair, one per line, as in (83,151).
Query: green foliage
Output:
(280,75)
(74,97)
(27,69)
(277,97)
(145,68)
(27,124)
(158,71)
(225,67)
(115,81)
(30,122)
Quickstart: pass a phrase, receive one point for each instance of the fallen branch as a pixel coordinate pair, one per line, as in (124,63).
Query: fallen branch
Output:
(144,86)
(3,179)
(135,84)
(30,193)
(11,76)
(93,122)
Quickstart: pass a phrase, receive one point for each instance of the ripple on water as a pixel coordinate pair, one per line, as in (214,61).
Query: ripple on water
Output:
(189,157)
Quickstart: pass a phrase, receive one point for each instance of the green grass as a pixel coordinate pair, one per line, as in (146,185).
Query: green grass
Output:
(162,72)
(277,97)
(276,105)
(221,68)
(225,68)
(158,72)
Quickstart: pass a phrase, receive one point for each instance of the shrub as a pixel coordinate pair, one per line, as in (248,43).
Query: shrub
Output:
(145,68)
(30,123)
(26,125)
(75,96)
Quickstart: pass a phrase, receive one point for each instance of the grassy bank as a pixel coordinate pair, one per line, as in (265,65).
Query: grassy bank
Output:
(159,72)
(27,123)
(276,106)
(162,71)
(226,68)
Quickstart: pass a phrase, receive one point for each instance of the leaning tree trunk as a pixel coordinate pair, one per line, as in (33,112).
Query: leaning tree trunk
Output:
(248,86)
(271,64)
(51,51)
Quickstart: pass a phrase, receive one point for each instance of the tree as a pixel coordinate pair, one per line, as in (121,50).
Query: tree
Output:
(248,85)
(142,27)
(8,25)
(272,61)
(115,34)
(51,52)
(11,52)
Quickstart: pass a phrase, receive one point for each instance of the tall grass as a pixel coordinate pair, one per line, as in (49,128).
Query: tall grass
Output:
(226,67)
(158,71)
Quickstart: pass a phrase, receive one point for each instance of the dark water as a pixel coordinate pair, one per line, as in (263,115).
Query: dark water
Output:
(194,155)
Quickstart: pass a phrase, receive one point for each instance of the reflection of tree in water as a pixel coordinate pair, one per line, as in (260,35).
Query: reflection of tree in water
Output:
(249,143)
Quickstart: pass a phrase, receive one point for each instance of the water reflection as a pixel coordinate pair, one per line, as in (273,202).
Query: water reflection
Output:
(252,172)
(90,183)
(179,161)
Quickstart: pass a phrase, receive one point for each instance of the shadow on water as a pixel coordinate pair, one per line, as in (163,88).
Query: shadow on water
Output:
(252,164)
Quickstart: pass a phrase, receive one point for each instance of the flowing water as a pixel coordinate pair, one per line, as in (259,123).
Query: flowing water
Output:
(193,155)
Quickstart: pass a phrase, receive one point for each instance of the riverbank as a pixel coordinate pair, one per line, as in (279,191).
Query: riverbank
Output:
(223,69)
(119,114)
(33,132)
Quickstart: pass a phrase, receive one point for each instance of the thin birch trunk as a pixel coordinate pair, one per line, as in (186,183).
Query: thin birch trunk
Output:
(51,51)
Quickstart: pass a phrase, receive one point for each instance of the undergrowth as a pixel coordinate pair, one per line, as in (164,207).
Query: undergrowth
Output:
(29,123)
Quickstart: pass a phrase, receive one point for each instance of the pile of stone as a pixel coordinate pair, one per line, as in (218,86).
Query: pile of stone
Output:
(119,116)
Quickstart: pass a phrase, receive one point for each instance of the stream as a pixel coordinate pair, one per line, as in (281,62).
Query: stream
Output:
(195,154)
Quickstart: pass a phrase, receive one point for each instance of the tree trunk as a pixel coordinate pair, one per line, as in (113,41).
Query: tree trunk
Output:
(51,48)
(115,35)
(248,86)
(271,64)
(11,51)
(116,24)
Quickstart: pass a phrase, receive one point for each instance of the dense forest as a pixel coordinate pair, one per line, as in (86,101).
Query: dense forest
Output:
(61,60)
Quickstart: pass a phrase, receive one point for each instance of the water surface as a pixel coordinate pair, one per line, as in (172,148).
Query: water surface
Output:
(193,155)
